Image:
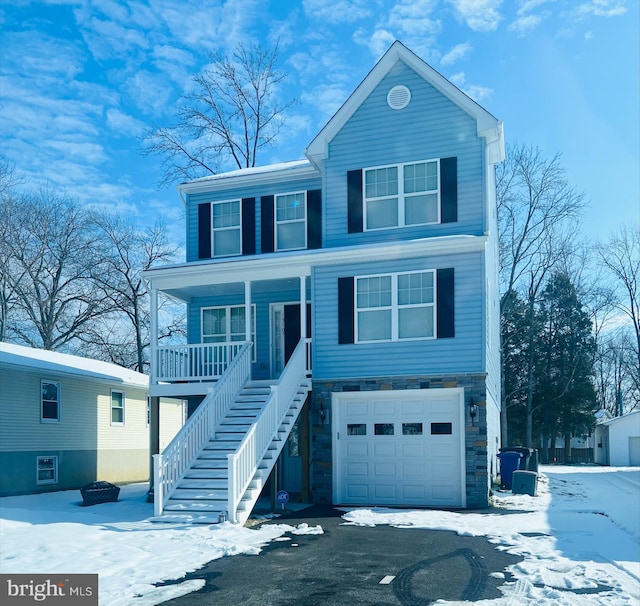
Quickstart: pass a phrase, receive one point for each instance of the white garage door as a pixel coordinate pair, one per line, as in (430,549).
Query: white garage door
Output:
(399,448)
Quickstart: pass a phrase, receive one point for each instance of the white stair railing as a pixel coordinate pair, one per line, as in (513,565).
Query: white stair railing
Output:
(194,362)
(243,463)
(170,466)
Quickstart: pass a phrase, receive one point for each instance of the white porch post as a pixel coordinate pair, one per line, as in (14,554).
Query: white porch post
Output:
(247,309)
(303,307)
(153,304)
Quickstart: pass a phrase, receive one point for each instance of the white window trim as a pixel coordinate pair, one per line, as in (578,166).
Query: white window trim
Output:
(111,407)
(54,480)
(401,195)
(228,309)
(276,222)
(42,419)
(395,307)
(214,230)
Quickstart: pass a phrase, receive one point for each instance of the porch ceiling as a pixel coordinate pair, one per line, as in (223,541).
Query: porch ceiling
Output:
(232,288)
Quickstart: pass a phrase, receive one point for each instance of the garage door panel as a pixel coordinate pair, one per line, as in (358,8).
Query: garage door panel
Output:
(357,448)
(399,448)
(386,493)
(357,469)
(384,448)
(413,449)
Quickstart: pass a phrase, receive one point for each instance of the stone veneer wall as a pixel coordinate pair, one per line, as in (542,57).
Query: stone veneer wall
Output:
(478,480)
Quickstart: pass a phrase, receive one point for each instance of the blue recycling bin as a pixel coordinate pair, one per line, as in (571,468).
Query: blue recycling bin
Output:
(509,462)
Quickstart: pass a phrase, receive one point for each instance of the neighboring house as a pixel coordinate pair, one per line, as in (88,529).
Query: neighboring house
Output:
(364,281)
(66,421)
(617,440)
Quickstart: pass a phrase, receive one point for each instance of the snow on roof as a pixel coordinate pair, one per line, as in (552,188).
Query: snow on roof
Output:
(53,361)
(622,418)
(255,170)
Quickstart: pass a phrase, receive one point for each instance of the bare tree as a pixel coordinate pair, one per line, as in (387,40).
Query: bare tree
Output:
(620,255)
(123,335)
(233,112)
(50,248)
(536,207)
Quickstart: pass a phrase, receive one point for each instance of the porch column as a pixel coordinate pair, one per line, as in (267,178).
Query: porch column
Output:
(154,440)
(303,307)
(153,305)
(247,309)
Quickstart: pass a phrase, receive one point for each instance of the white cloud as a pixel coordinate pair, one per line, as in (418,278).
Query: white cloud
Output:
(337,11)
(123,125)
(459,51)
(479,15)
(149,92)
(378,43)
(603,8)
(477,92)
(526,20)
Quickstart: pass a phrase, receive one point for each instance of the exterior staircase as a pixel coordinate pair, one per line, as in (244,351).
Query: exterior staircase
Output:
(211,488)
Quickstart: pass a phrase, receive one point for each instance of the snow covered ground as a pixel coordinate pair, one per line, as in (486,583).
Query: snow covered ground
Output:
(580,540)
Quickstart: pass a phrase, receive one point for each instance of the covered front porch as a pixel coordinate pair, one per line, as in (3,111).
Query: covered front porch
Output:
(272,314)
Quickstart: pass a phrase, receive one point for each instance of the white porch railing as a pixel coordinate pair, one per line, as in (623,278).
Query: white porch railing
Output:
(195,362)
(243,463)
(171,465)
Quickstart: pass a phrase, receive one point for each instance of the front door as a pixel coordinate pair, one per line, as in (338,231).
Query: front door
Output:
(285,333)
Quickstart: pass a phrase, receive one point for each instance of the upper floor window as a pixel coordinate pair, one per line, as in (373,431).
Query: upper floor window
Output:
(226,324)
(117,408)
(394,307)
(227,228)
(291,221)
(50,404)
(400,195)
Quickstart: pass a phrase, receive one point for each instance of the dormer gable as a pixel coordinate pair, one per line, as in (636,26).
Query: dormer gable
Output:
(488,127)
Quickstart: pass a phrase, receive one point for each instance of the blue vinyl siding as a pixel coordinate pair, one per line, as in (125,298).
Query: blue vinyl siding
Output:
(430,127)
(256,191)
(463,353)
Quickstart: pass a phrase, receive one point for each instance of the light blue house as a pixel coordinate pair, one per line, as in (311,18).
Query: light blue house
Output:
(343,313)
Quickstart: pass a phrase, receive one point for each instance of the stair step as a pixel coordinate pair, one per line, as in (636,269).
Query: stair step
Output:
(214,455)
(227,445)
(183,493)
(203,484)
(188,518)
(196,506)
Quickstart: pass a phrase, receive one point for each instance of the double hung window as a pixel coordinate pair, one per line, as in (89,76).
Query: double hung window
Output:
(226,324)
(291,221)
(117,408)
(227,228)
(47,470)
(402,195)
(395,307)
(50,407)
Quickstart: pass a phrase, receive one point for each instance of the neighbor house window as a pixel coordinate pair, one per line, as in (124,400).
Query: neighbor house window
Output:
(50,408)
(291,221)
(395,307)
(226,324)
(47,470)
(227,228)
(117,408)
(400,195)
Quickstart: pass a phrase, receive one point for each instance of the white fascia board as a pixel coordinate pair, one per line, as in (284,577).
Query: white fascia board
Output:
(246,177)
(487,125)
(273,266)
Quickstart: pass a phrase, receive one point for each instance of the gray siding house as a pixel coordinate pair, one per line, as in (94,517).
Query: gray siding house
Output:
(343,315)
(66,421)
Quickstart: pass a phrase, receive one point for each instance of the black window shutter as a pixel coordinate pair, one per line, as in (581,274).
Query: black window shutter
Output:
(248,226)
(266,224)
(449,189)
(354,202)
(346,333)
(445,303)
(314,218)
(204,231)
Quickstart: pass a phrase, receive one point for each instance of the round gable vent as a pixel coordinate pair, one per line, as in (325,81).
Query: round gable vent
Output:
(398,97)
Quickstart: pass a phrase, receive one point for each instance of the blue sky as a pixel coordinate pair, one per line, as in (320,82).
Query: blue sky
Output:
(81,79)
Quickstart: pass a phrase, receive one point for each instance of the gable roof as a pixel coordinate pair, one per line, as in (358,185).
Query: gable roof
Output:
(488,126)
(53,361)
(623,418)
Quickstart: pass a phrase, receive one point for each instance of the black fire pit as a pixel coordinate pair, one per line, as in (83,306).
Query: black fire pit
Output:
(99,492)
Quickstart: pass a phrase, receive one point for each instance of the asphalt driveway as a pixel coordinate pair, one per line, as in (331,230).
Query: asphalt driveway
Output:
(352,565)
